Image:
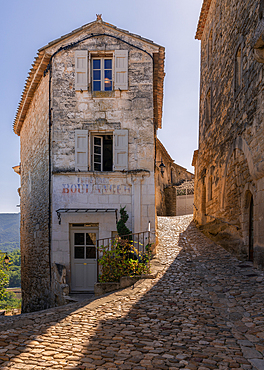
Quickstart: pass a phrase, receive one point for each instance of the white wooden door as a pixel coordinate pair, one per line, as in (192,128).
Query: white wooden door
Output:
(83,259)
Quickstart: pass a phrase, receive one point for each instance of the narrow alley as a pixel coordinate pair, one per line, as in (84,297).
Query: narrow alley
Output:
(203,311)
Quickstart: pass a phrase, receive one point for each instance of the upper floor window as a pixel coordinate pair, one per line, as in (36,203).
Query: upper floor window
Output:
(101,151)
(105,72)
(102,72)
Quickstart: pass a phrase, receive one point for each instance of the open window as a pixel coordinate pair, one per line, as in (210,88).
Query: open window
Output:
(101,150)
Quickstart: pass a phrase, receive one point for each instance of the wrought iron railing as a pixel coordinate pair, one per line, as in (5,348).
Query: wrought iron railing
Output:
(136,242)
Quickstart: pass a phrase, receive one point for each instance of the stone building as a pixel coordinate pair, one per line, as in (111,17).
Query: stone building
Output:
(87,122)
(169,175)
(229,164)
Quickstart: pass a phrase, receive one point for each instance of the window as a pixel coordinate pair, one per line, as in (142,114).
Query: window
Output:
(108,150)
(102,74)
(102,154)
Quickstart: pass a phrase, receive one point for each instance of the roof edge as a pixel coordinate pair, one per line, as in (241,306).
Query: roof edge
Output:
(88,25)
(32,82)
(162,147)
(202,19)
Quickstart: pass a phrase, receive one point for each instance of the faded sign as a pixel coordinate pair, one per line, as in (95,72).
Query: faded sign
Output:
(88,188)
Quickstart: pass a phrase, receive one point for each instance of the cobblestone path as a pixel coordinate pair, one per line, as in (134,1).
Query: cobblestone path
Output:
(204,311)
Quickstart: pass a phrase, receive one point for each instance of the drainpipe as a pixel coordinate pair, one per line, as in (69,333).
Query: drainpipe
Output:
(50,125)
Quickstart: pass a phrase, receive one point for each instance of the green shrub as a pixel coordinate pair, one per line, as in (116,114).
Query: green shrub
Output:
(14,270)
(9,301)
(3,275)
(121,227)
(122,259)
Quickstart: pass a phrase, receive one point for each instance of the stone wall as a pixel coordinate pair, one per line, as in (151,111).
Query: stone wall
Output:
(129,109)
(136,110)
(170,200)
(231,133)
(173,175)
(34,230)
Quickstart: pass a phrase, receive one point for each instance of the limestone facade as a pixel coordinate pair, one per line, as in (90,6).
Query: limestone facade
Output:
(168,177)
(87,122)
(229,183)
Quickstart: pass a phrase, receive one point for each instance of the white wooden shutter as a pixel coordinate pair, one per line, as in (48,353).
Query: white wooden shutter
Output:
(81,150)
(121,69)
(120,150)
(81,69)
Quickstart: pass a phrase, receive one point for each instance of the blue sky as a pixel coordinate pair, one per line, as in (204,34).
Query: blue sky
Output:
(27,25)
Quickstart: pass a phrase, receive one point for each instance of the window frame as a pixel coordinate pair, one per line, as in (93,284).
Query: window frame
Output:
(120,146)
(99,134)
(102,70)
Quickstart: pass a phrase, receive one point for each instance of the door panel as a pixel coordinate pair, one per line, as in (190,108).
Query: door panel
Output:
(83,259)
(78,275)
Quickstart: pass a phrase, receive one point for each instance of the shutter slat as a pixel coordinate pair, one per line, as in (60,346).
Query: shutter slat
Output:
(81,70)
(121,69)
(81,150)
(121,150)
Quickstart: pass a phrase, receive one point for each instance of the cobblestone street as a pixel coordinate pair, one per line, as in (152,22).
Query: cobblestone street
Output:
(203,311)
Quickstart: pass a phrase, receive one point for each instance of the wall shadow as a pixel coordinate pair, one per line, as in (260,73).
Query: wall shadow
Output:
(201,313)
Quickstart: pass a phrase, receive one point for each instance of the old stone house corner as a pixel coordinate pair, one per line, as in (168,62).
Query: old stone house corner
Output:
(87,122)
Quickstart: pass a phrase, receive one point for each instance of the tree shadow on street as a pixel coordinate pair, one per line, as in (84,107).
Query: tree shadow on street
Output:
(195,315)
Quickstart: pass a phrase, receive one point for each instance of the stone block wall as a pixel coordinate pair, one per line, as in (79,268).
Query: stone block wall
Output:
(130,109)
(34,230)
(170,200)
(231,133)
(137,110)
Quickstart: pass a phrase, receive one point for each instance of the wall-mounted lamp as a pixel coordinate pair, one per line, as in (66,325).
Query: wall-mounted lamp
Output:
(161,166)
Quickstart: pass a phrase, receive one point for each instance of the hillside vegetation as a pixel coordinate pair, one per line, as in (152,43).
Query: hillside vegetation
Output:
(9,231)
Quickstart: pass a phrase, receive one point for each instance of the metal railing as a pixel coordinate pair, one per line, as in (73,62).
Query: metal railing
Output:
(135,242)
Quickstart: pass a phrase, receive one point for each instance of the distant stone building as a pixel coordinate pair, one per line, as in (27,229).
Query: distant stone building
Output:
(87,123)
(169,176)
(229,166)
